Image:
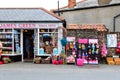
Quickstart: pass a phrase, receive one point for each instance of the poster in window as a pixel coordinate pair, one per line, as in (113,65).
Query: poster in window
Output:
(111,40)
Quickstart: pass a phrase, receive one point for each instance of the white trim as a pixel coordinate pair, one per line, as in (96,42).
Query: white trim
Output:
(43,55)
(11,54)
(13,41)
(21,44)
(38,39)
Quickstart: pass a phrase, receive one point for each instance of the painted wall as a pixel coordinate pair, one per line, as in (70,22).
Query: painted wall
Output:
(102,15)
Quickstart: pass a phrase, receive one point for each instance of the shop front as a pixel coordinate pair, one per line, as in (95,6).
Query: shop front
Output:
(25,40)
(26,33)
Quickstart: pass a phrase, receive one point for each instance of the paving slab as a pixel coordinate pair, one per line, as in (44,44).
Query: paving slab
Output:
(31,71)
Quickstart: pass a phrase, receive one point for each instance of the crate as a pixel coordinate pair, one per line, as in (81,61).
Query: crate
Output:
(117,61)
(110,60)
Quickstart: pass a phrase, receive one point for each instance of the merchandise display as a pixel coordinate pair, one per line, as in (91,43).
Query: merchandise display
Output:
(17,41)
(118,48)
(70,50)
(10,38)
(6,40)
(87,51)
(48,41)
(104,50)
(0,49)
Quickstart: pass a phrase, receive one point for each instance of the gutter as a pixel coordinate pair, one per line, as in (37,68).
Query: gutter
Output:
(31,21)
(114,20)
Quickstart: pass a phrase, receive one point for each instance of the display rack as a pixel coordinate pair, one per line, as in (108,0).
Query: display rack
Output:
(50,36)
(70,50)
(7,41)
(9,38)
(46,39)
(17,48)
(88,50)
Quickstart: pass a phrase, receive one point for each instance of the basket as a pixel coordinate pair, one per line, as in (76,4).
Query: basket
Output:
(5,61)
(45,61)
(37,61)
(117,61)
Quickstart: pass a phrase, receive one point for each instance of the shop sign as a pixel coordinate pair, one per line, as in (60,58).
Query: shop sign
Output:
(111,40)
(93,41)
(70,38)
(28,25)
(83,41)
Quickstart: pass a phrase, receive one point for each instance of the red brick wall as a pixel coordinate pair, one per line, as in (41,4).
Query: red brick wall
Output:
(71,3)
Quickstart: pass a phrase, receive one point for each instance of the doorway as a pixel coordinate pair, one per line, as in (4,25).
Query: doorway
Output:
(28,47)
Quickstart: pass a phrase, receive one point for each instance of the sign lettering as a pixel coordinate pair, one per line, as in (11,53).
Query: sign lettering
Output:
(27,25)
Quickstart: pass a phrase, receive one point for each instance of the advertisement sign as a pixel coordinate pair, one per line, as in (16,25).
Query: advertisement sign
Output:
(70,38)
(93,41)
(111,40)
(83,41)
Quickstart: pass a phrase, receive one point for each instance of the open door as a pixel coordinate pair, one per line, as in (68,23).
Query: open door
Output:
(28,52)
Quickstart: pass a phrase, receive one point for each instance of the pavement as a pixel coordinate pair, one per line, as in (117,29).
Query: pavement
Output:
(31,71)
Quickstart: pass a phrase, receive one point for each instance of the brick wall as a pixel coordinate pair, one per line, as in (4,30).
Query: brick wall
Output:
(71,3)
(104,2)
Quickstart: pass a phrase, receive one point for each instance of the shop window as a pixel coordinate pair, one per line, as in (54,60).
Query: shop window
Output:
(53,30)
(8,30)
(43,30)
(48,40)
(17,41)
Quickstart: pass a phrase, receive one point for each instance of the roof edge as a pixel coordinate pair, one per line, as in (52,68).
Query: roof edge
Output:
(51,13)
(92,7)
(87,26)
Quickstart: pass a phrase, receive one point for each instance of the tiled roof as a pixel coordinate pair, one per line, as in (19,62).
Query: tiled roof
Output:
(98,27)
(87,4)
(27,14)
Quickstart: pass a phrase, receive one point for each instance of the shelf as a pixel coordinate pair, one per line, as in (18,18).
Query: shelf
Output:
(11,54)
(6,32)
(48,32)
(6,38)
(6,42)
(42,54)
(70,62)
(7,48)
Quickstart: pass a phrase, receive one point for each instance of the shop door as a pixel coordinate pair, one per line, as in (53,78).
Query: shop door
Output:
(28,38)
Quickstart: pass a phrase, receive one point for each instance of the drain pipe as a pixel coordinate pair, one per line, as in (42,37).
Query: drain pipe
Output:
(114,20)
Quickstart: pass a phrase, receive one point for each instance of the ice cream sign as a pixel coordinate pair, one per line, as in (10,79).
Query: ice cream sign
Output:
(28,25)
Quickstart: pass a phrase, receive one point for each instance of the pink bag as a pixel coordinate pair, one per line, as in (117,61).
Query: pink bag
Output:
(80,62)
